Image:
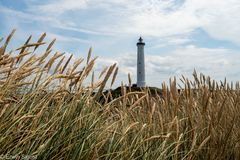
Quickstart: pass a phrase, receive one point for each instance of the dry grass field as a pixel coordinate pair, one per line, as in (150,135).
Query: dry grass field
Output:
(48,111)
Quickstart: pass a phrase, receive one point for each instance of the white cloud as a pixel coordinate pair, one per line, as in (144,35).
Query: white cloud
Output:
(15,17)
(59,7)
(67,38)
(218,63)
(166,23)
(157,18)
(225,24)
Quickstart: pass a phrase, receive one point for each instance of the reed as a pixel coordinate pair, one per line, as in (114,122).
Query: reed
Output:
(48,112)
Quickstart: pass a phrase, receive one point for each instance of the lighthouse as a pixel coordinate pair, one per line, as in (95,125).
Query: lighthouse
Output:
(140,63)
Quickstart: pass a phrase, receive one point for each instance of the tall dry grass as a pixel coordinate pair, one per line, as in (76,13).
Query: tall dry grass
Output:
(48,112)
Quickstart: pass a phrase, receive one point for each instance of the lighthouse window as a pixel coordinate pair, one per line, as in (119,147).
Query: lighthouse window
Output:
(139,63)
(139,72)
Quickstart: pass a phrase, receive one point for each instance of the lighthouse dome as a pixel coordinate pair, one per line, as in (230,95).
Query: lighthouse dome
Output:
(140,41)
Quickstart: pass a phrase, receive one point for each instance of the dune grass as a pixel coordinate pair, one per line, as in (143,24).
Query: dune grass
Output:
(48,111)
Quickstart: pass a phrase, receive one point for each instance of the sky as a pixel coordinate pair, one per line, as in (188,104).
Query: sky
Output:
(180,35)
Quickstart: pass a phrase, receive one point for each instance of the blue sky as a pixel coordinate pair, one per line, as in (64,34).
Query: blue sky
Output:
(180,35)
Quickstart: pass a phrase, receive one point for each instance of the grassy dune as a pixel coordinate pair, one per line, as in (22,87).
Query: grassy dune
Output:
(47,112)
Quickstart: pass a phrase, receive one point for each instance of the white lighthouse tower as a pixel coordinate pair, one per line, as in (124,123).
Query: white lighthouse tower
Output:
(140,63)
